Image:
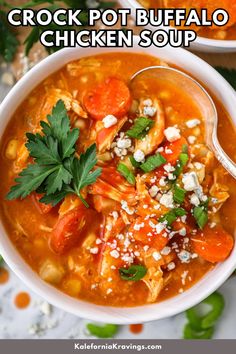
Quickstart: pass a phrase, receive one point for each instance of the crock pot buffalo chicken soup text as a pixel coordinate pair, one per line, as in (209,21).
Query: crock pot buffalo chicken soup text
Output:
(109,192)
(226,32)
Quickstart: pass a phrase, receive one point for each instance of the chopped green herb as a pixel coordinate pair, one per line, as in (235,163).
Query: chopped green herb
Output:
(200,214)
(179,194)
(125,172)
(202,326)
(140,128)
(134,163)
(190,333)
(152,162)
(183,159)
(134,272)
(105,331)
(172,215)
(55,171)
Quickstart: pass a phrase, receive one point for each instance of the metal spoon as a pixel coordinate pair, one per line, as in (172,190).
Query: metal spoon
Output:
(203,100)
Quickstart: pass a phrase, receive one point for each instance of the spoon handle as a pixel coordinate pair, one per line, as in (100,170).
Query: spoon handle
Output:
(223,158)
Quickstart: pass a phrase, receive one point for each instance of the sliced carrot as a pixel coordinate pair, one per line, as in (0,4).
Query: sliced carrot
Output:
(110,97)
(43,208)
(176,148)
(143,232)
(213,244)
(66,232)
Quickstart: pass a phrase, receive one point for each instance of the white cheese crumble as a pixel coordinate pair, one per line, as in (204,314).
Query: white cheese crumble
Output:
(194,200)
(190,181)
(192,139)
(192,123)
(156,256)
(139,156)
(137,227)
(171,266)
(167,200)
(149,111)
(109,121)
(123,143)
(94,250)
(98,241)
(184,256)
(124,206)
(172,134)
(153,191)
(115,254)
(165,251)
(46,308)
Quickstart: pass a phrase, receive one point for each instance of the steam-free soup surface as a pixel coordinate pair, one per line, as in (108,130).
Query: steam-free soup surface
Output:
(140,240)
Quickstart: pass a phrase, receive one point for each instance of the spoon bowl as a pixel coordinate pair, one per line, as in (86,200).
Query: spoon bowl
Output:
(204,102)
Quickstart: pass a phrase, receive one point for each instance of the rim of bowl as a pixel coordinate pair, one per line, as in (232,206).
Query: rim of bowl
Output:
(201,41)
(119,315)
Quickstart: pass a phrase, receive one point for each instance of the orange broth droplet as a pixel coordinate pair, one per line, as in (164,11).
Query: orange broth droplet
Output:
(136,328)
(22,300)
(4,276)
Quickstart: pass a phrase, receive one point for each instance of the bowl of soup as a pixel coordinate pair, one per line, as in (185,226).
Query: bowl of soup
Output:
(209,39)
(112,206)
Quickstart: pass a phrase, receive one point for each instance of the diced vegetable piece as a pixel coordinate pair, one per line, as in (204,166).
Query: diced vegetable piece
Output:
(144,231)
(173,150)
(179,194)
(110,98)
(72,286)
(140,128)
(66,232)
(201,216)
(11,149)
(213,244)
(152,162)
(51,272)
(172,215)
(134,272)
(125,172)
(105,331)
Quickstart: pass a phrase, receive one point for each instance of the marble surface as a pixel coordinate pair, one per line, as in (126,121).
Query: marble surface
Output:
(41,320)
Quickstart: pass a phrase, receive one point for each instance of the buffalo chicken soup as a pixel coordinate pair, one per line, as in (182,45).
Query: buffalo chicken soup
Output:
(110,193)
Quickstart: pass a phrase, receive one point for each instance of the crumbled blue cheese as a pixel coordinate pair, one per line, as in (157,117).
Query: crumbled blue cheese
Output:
(139,156)
(165,251)
(94,250)
(192,139)
(172,134)
(171,266)
(167,200)
(115,254)
(194,200)
(109,121)
(192,123)
(156,256)
(123,143)
(149,111)
(190,181)
(184,256)
(153,191)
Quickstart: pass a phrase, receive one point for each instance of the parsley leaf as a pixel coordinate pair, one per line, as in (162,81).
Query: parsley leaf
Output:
(55,171)
(172,215)
(8,40)
(140,128)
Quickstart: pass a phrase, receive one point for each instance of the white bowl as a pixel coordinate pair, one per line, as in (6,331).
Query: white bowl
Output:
(201,44)
(175,305)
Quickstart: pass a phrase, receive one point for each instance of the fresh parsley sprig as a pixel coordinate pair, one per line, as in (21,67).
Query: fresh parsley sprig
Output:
(56,171)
